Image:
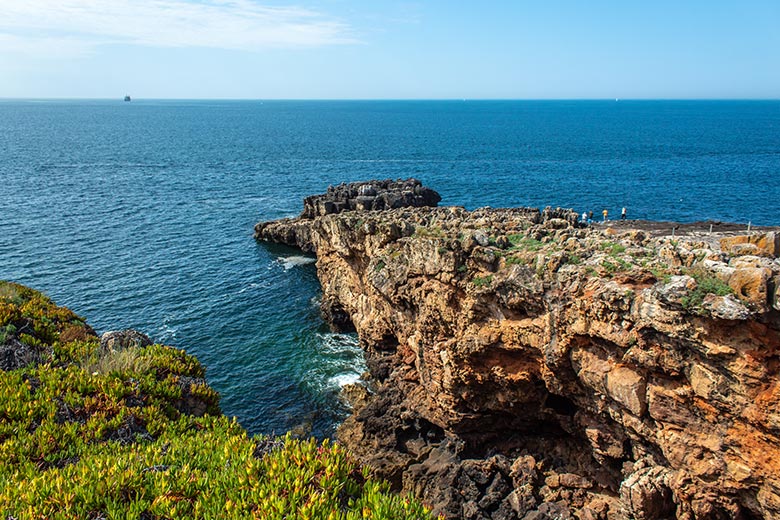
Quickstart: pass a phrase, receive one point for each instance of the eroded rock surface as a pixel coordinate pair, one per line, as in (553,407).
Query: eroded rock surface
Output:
(123,339)
(523,367)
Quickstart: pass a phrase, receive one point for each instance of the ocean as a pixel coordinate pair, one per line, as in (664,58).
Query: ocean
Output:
(141,214)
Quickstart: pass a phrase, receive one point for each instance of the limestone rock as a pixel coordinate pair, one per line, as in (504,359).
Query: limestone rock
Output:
(750,285)
(370,196)
(646,494)
(725,307)
(525,366)
(673,292)
(628,388)
(122,339)
(357,395)
(766,244)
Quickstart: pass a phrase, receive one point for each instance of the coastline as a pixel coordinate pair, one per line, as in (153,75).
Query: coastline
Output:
(523,364)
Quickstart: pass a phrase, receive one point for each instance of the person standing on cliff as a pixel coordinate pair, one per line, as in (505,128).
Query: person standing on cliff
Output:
(623,214)
(605,213)
(584,217)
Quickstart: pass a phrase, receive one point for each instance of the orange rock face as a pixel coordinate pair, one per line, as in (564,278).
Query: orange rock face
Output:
(522,366)
(765,244)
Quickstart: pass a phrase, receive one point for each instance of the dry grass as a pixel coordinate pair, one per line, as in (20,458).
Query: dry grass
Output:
(126,360)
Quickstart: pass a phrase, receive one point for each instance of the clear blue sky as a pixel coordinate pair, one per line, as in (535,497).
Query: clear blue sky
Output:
(357,49)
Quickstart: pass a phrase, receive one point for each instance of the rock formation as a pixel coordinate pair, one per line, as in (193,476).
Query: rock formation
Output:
(524,367)
(371,196)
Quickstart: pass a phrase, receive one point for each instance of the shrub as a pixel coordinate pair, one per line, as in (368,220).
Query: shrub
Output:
(706,283)
(520,241)
(613,248)
(482,281)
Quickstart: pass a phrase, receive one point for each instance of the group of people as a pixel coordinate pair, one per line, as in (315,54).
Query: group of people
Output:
(587,217)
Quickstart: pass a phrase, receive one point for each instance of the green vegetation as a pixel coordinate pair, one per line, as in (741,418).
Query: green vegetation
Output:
(520,241)
(615,265)
(515,260)
(379,266)
(706,283)
(429,232)
(92,433)
(661,274)
(482,281)
(612,248)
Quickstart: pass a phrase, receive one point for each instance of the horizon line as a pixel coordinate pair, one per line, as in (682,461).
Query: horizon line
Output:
(614,99)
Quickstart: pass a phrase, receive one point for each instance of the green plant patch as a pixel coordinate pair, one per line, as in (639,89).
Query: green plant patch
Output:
(520,241)
(661,274)
(613,248)
(429,232)
(482,281)
(706,283)
(137,433)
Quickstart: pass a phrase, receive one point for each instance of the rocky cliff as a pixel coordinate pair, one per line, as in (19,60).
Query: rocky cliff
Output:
(524,367)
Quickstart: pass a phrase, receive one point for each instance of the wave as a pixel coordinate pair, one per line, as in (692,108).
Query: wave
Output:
(289,262)
(342,380)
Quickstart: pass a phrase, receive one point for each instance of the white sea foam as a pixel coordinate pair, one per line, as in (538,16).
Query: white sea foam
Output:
(293,261)
(333,343)
(167,331)
(340,361)
(342,380)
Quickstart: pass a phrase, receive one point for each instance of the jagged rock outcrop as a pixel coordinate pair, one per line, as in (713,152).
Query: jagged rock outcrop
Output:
(370,196)
(523,367)
(123,339)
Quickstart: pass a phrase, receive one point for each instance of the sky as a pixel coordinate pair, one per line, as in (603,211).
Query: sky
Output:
(377,49)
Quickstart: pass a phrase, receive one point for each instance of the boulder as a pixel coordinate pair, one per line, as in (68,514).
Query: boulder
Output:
(673,291)
(14,355)
(750,285)
(725,307)
(628,388)
(122,339)
(764,244)
(646,494)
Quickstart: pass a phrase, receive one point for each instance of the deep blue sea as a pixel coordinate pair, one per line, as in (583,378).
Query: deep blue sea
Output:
(140,214)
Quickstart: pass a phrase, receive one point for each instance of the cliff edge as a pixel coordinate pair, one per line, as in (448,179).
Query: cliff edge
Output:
(525,367)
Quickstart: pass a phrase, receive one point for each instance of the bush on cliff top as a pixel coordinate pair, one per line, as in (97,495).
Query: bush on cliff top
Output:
(87,433)
(706,283)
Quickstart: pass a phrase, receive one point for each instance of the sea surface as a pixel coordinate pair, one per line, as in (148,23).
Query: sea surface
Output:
(140,214)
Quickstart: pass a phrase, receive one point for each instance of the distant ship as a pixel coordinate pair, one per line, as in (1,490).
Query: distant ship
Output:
(127,98)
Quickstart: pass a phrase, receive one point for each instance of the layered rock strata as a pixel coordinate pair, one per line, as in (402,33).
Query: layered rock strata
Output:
(523,367)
